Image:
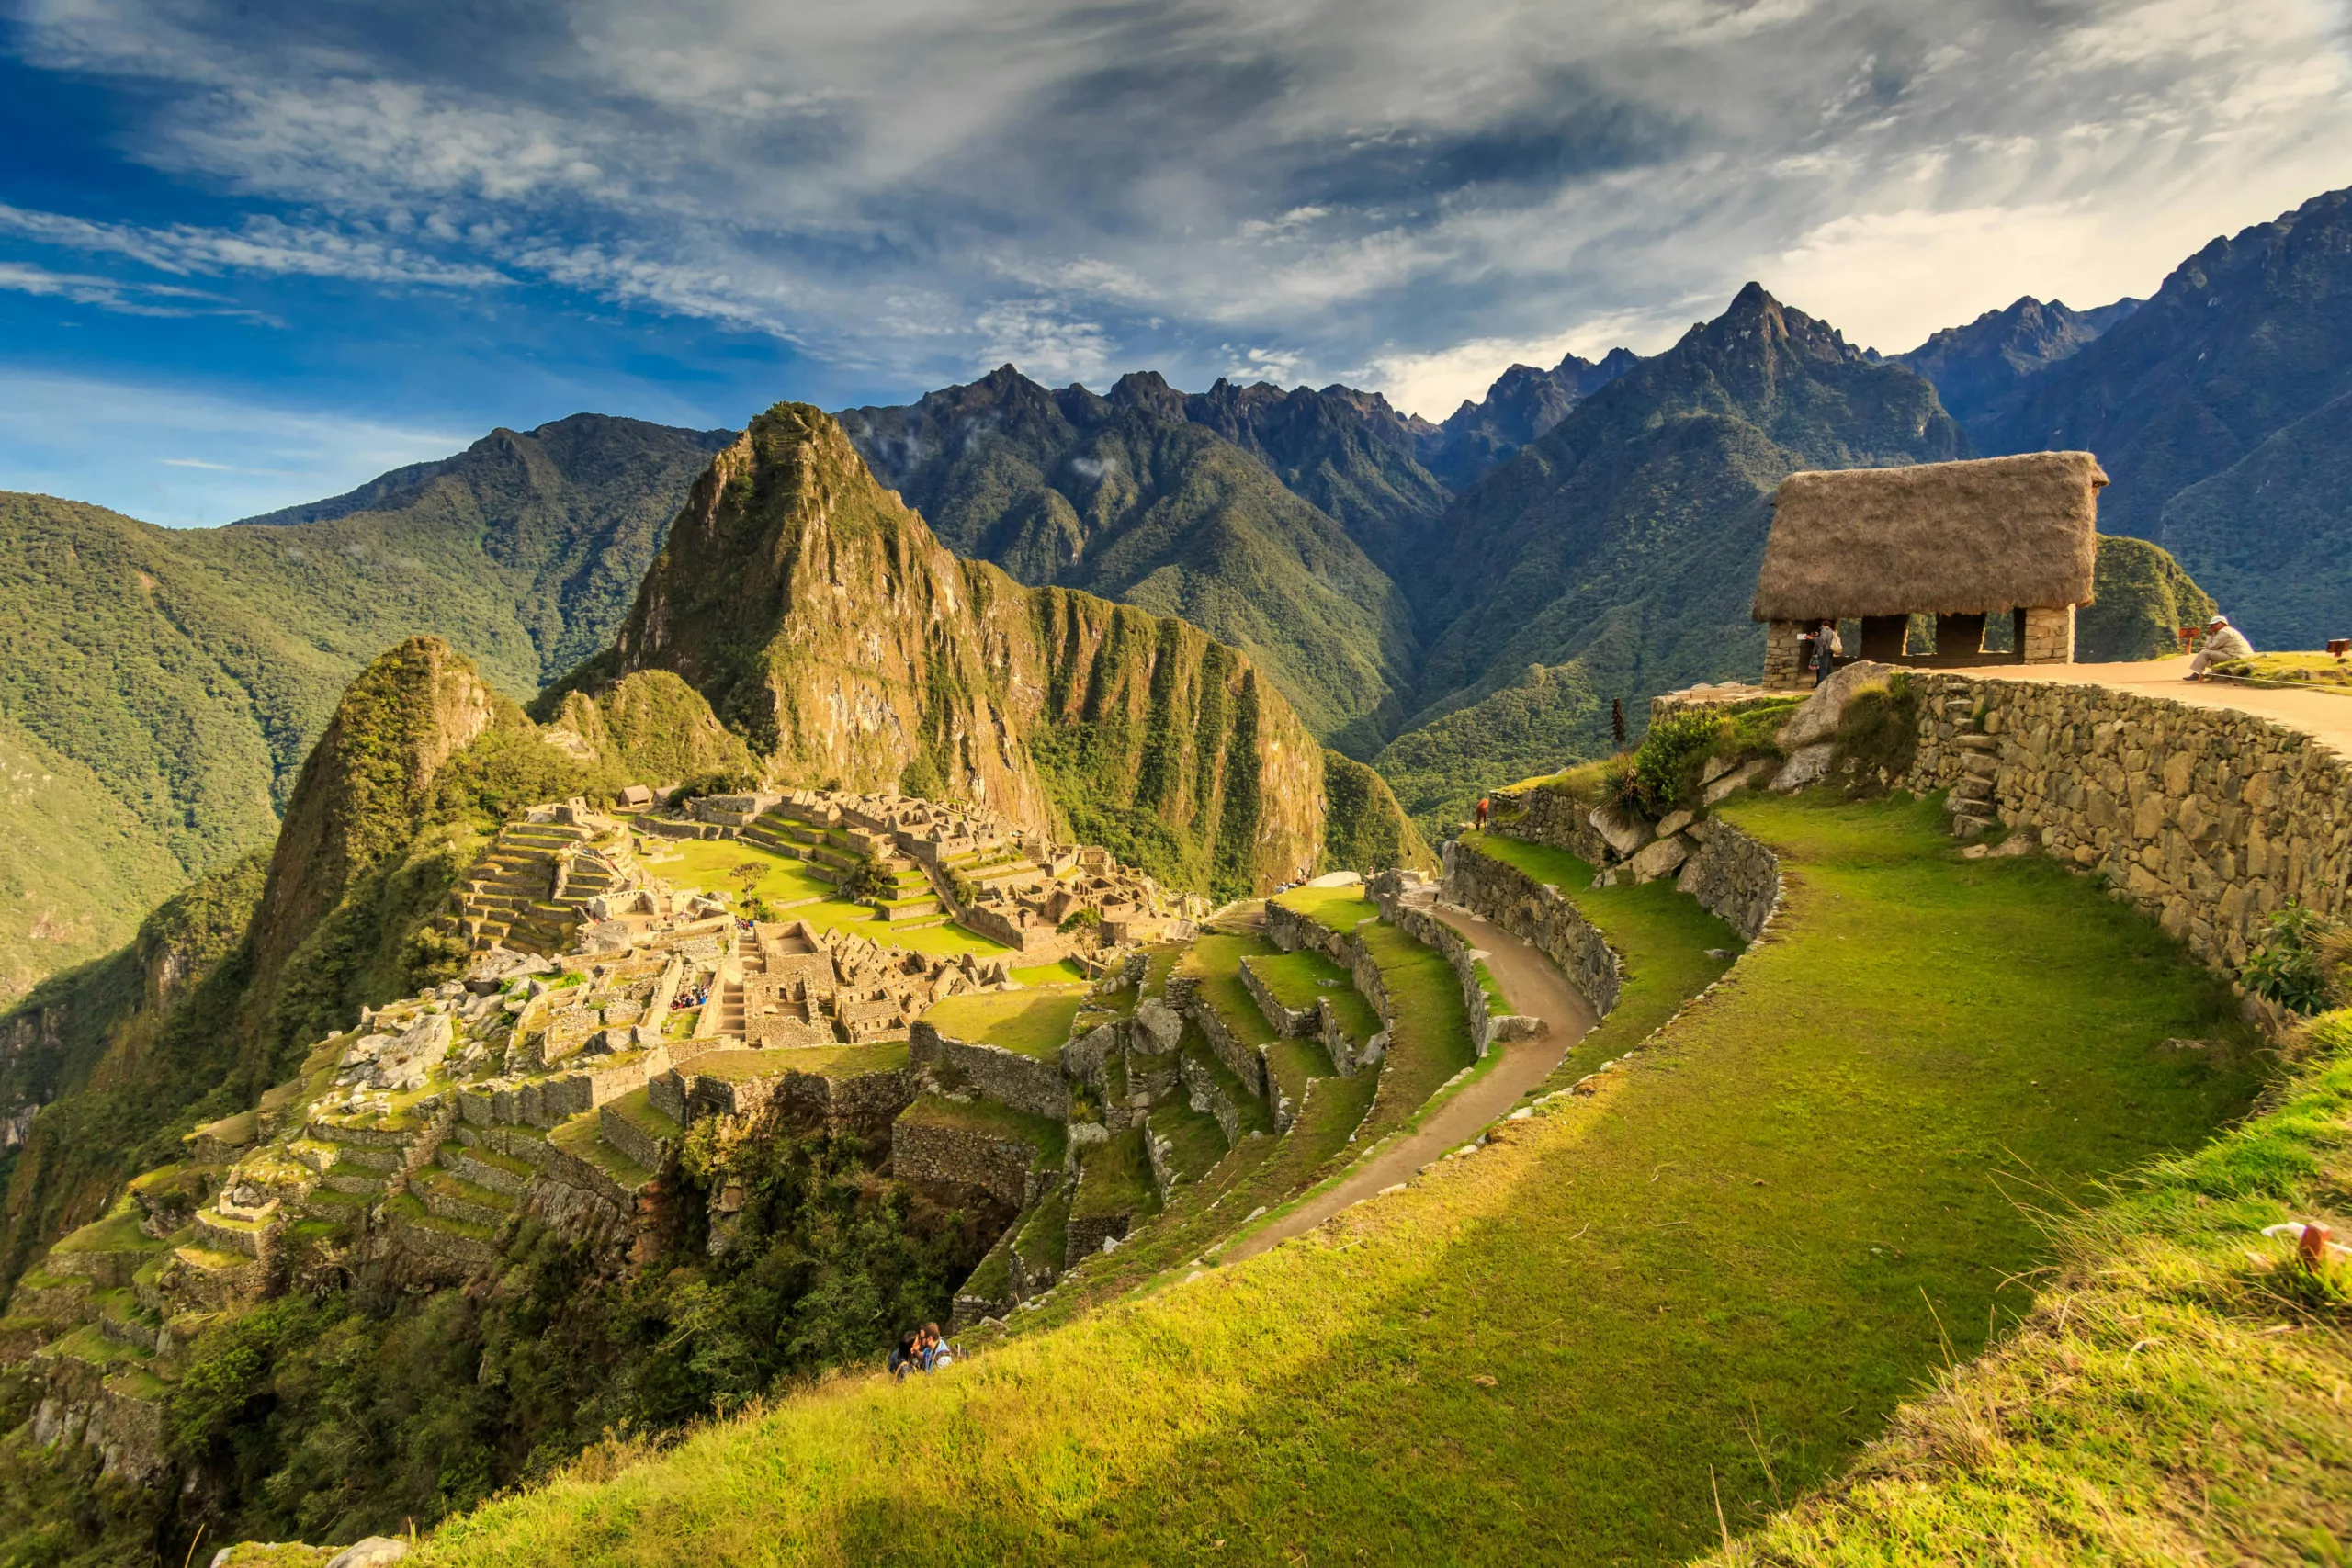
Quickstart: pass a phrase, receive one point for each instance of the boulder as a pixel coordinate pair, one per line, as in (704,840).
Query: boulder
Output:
(1673,822)
(1806,765)
(374,1552)
(1161,1026)
(1817,718)
(1656,860)
(1620,828)
(1736,779)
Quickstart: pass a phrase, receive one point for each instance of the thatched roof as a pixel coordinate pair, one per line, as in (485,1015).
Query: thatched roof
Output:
(1953,538)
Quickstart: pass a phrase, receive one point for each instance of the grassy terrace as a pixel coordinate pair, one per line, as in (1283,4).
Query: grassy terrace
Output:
(1429,1040)
(820,1061)
(1746,1247)
(709,864)
(1035,1023)
(1297,979)
(1115,1179)
(1216,960)
(1047,1137)
(1661,936)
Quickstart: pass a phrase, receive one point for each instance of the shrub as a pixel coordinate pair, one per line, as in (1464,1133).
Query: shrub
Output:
(2291,967)
(1080,920)
(1664,768)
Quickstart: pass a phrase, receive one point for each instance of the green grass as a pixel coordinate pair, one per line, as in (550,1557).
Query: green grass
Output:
(1034,1022)
(2317,670)
(2172,1398)
(1297,979)
(1290,1063)
(1336,908)
(1195,1143)
(1661,938)
(1060,972)
(581,1139)
(822,1061)
(709,864)
(1429,1040)
(1255,1115)
(1044,1135)
(1216,962)
(1114,1178)
(1751,1242)
(638,1108)
(1043,1236)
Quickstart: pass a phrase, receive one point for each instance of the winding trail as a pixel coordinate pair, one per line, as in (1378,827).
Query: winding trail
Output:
(1532,986)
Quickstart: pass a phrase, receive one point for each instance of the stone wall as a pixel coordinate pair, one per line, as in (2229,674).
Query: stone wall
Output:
(1540,915)
(2206,818)
(1543,816)
(1293,932)
(1406,902)
(1025,1083)
(1731,876)
(930,1154)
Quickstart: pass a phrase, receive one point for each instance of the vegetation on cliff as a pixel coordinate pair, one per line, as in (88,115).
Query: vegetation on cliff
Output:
(174,680)
(826,625)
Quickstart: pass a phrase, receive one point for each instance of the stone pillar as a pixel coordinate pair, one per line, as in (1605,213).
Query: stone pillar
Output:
(1783,671)
(2050,635)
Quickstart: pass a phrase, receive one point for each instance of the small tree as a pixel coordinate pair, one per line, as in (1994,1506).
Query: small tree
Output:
(747,874)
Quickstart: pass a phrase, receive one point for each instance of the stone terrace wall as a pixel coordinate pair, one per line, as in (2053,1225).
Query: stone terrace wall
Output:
(1405,901)
(1538,914)
(1732,875)
(2208,819)
(1025,1083)
(1539,815)
(1291,931)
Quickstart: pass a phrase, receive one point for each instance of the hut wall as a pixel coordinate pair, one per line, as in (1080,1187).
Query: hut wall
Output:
(1783,647)
(2050,635)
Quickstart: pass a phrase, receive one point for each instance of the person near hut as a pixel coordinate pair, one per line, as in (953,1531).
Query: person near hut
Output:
(2223,642)
(1826,647)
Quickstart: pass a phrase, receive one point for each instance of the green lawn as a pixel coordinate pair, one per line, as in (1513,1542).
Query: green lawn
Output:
(1296,980)
(1216,962)
(709,864)
(1062,972)
(1035,1023)
(1340,908)
(1114,1178)
(1660,936)
(1430,1040)
(1716,1275)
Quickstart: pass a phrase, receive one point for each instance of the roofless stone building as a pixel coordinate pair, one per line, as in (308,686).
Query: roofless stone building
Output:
(1960,541)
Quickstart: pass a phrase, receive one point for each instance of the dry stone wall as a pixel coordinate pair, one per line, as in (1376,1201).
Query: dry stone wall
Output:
(1407,901)
(1025,1083)
(2209,819)
(1540,915)
(933,1154)
(1732,875)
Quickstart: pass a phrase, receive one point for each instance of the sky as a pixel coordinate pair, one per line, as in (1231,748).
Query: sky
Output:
(254,251)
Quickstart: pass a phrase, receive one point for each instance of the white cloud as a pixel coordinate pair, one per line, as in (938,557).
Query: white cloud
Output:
(915,187)
(128,299)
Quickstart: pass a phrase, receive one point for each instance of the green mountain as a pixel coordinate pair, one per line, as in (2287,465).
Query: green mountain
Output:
(2216,410)
(1123,497)
(105,1066)
(1522,404)
(1981,370)
(828,625)
(160,687)
(1614,555)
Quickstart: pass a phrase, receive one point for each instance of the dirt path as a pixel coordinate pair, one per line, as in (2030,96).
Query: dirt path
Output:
(1534,986)
(2324,716)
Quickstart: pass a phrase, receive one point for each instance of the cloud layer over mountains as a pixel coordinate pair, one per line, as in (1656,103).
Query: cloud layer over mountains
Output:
(1406,196)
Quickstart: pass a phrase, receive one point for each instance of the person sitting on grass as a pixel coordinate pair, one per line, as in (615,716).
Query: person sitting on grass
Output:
(934,1351)
(2223,642)
(908,1357)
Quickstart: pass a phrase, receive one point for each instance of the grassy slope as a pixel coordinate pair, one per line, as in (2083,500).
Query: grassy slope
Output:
(1661,937)
(1728,1253)
(2176,1396)
(710,865)
(1034,1024)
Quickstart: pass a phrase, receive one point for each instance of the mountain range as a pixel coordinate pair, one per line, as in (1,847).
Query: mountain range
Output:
(1454,603)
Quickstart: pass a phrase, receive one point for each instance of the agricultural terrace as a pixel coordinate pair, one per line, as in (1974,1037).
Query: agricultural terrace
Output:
(789,888)
(1031,1022)
(1717,1274)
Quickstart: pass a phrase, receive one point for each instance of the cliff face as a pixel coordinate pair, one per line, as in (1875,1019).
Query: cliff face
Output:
(828,625)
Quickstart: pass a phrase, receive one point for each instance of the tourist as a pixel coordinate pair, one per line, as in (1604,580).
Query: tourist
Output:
(908,1357)
(2223,642)
(1826,650)
(936,1353)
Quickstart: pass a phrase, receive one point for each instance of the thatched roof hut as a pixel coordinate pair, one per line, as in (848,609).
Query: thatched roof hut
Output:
(1946,539)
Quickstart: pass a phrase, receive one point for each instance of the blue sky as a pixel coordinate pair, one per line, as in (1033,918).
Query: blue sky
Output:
(253,253)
